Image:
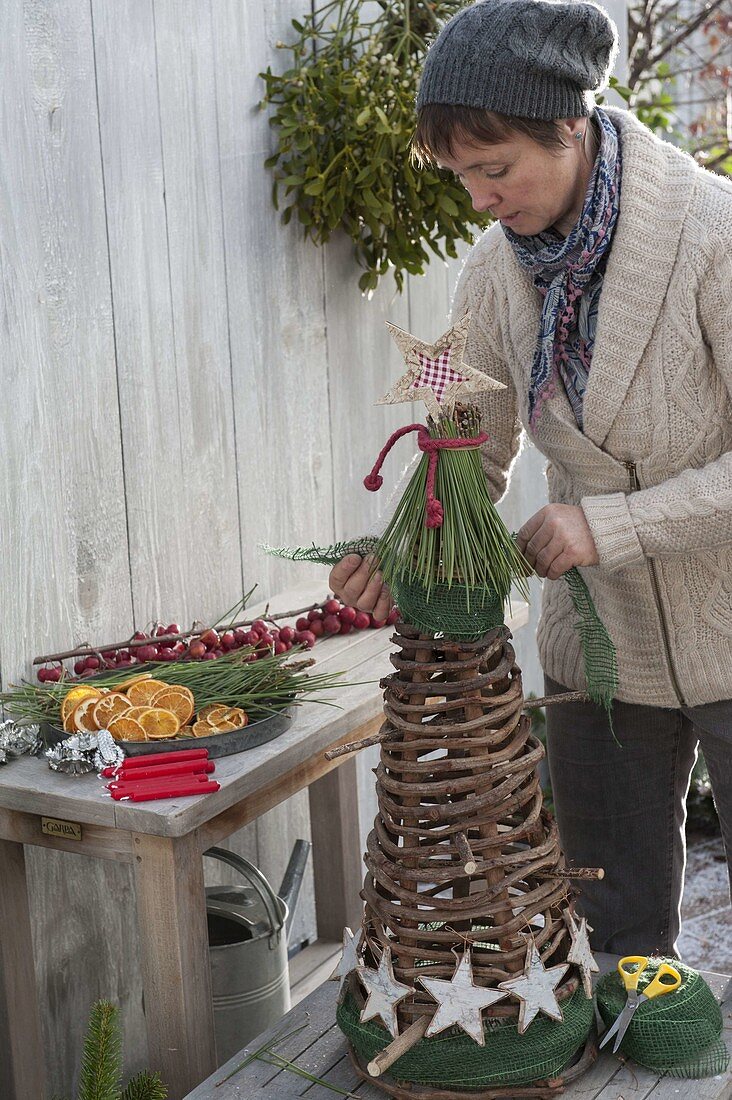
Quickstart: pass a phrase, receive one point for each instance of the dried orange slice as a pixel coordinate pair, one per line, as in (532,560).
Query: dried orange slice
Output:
(178,699)
(159,723)
(123,728)
(125,685)
(141,692)
(185,731)
(207,713)
(109,707)
(228,718)
(137,712)
(203,729)
(75,696)
(82,717)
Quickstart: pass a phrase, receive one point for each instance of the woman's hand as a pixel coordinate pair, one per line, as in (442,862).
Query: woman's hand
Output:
(556,538)
(349,580)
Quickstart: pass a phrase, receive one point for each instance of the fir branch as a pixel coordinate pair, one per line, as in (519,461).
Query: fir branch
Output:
(101,1060)
(323,555)
(145,1086)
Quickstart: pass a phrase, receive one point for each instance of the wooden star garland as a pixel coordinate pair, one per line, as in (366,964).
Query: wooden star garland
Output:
(384,992)
(436,373)
(535,988)
(580,953)
(350,959)
(460,1001)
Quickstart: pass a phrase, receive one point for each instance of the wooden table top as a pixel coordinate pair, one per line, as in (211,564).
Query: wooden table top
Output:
(320,1049)
(29,785)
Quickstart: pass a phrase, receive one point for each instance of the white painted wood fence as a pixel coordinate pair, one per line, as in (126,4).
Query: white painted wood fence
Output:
(182,378)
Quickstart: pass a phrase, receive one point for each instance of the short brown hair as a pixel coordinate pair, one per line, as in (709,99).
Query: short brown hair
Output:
(440,125)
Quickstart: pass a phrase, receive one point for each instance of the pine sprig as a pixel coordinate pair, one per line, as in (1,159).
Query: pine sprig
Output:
(145,1086)
(101,1062)
(101,1059)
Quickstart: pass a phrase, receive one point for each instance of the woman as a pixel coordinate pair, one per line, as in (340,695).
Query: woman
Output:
(602,297)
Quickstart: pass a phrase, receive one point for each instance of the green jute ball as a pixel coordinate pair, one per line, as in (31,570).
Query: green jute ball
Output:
(677,1033)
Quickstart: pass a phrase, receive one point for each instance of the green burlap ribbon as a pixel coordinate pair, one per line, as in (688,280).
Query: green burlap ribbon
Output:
(467,615)
(453,1059)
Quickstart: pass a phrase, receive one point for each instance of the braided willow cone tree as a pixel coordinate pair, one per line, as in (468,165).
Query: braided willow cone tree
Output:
(462,851)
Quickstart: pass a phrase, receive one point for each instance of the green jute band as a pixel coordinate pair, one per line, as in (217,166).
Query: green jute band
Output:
(453,1059)
(466,614)
(458,613)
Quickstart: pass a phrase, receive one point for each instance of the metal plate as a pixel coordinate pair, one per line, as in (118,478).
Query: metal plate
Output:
(221,744)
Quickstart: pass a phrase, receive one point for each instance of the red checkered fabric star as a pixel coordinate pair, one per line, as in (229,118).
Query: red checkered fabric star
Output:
(437,373)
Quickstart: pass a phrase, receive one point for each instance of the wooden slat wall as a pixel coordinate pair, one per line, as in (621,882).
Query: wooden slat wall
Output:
(183,378)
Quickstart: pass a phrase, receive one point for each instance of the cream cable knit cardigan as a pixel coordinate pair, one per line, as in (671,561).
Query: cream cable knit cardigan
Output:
(653,469)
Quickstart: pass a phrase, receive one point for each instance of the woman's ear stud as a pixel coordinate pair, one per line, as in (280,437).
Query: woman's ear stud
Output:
(579,136)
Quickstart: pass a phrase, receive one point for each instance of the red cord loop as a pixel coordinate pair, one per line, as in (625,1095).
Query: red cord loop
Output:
(434,513)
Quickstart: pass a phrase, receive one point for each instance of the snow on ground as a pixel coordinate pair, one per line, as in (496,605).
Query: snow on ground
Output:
(706,930)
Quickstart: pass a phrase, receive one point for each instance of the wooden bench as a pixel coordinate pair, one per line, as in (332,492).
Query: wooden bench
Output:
(320,1049)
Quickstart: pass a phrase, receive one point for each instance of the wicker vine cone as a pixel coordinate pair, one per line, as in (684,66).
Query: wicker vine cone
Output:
(458,787)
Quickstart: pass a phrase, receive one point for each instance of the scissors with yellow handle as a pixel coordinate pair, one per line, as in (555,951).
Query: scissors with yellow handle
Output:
(630,968)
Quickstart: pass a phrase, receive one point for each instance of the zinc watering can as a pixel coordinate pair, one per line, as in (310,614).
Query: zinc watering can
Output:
(248,930)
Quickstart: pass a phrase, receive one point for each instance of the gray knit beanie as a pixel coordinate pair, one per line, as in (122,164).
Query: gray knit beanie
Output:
(528,58)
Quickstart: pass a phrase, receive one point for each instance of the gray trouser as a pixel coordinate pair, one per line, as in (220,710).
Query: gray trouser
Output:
(623,809)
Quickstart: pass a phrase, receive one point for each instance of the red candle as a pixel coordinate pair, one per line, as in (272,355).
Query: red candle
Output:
(146,793)
(154,781)
(164,758)
(187,767)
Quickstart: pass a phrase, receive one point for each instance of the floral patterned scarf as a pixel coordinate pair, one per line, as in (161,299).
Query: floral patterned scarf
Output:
(569,274)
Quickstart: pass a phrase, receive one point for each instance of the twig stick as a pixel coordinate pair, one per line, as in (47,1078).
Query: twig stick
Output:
(563,697)
(466,854)
(354,746)
(133,643)
(573,872)
(404,1042)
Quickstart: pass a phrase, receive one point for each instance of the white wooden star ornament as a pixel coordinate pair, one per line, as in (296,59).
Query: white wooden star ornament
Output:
(535,988)
(580,953)
(350,959)
(384,992)
(436,373)
(460,1001)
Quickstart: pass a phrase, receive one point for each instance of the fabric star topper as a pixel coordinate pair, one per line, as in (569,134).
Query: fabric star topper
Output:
(460,1001)
(535,988)
(436,373)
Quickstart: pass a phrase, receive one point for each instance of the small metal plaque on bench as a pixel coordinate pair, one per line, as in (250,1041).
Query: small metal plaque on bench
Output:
(54,826)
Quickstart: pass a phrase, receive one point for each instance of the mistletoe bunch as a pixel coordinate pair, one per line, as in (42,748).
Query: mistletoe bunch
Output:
(344,113)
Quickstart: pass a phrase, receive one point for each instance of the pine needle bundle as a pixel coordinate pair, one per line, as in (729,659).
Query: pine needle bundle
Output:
(468,562)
